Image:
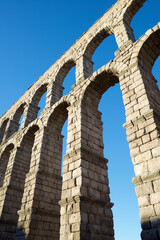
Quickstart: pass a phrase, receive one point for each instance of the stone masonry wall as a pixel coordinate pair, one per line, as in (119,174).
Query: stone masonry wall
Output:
(35,202)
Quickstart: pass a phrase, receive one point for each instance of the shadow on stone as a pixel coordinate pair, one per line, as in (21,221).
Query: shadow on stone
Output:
(150,229)
(20,235)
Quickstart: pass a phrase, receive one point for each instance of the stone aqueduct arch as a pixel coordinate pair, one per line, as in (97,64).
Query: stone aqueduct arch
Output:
(32,204)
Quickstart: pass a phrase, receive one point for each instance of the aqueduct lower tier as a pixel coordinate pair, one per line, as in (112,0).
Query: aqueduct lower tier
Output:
(34,201)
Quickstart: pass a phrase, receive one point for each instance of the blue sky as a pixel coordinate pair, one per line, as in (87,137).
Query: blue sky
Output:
(34,34)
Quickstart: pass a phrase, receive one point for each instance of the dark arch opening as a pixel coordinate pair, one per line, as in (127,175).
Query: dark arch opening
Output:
(40,93)
(3,130)
(36,106)
(4,162)
(64,71)
(64,80)
(19,114)
(16,122)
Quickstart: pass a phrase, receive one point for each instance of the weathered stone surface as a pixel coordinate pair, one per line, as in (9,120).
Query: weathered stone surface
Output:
(79,207)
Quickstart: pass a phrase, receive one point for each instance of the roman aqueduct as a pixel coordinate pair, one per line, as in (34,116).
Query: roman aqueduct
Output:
(34,201)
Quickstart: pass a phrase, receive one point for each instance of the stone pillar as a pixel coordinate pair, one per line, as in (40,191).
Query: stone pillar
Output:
(4,159)
(85,202)
(142,128)
(143,137)
(13,127)
(13,186)
(123,33)
(7,223)
(24,119)
(54,93)
(39,216)
(3,129)
(30,114)
(84,67)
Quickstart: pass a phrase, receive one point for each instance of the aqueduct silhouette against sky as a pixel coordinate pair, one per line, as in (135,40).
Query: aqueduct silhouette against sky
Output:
(34,202)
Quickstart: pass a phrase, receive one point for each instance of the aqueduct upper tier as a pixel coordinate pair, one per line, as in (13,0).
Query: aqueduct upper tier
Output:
(35,203)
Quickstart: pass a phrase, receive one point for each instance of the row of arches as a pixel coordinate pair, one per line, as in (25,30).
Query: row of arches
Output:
(147,55)
(141,54)
(18,164)
(24,114)
(25,160)
(48,93)
(148,48)
(14,167)
(10,126)
(54,91)
(27,153)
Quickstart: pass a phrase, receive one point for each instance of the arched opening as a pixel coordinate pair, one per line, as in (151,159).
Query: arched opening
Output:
(64,80)
(95,42)
(39,99)
(17,175)
(147,56)
(37,104)
(94,139)
(146,18)
(64,134)
(3,129)
(16,122)
(20,121)
(156,70)
(101,54)
(18,116)
(104,52)
(49,178)
(42,103)
(4,162)
(69,81)
(94,164)
(120,167)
